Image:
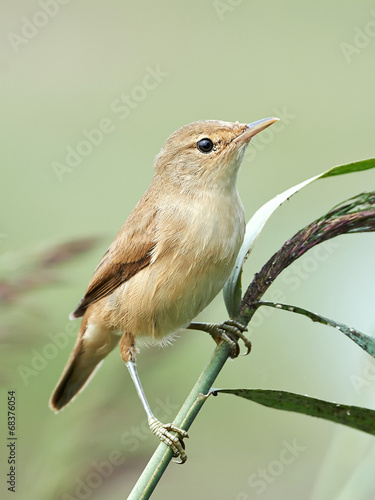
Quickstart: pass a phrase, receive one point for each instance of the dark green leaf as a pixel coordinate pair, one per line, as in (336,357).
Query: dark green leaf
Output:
(359,418)
(365,341)
(356,166)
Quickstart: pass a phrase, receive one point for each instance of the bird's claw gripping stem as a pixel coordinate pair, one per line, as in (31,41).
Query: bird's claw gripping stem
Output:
(174,441)
(230,331)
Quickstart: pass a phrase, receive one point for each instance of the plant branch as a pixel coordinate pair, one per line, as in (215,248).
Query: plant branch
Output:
(357,216)
(189,410)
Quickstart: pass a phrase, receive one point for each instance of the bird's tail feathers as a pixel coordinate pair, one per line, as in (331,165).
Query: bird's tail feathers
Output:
(85,358)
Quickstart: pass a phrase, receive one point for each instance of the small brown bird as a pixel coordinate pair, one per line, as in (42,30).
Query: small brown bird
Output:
(169,260)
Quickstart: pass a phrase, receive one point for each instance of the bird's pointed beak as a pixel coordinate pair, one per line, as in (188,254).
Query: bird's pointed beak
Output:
(253,129)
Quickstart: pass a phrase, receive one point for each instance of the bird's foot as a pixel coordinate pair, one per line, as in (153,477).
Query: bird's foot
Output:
(174,441)
(230,332)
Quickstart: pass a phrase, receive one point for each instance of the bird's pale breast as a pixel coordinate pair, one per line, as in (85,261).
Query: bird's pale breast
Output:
(182,278)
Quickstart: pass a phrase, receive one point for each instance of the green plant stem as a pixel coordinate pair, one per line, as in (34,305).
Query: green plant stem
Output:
(189,410)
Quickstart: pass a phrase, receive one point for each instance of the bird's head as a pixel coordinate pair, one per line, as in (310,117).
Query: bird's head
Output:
(207,154)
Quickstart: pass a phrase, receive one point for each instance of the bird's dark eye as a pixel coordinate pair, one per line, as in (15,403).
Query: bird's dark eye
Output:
(205,145)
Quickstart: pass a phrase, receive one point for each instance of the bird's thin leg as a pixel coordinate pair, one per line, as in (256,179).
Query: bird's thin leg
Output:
(229,331)
(163,431)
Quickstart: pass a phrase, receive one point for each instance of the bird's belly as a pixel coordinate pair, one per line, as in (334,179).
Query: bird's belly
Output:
(166,297)
(182,278)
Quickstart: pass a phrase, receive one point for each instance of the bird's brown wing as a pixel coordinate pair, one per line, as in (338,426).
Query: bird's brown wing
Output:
(130,252)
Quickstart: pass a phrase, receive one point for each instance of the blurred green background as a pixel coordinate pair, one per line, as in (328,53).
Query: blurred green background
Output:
(66,67)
